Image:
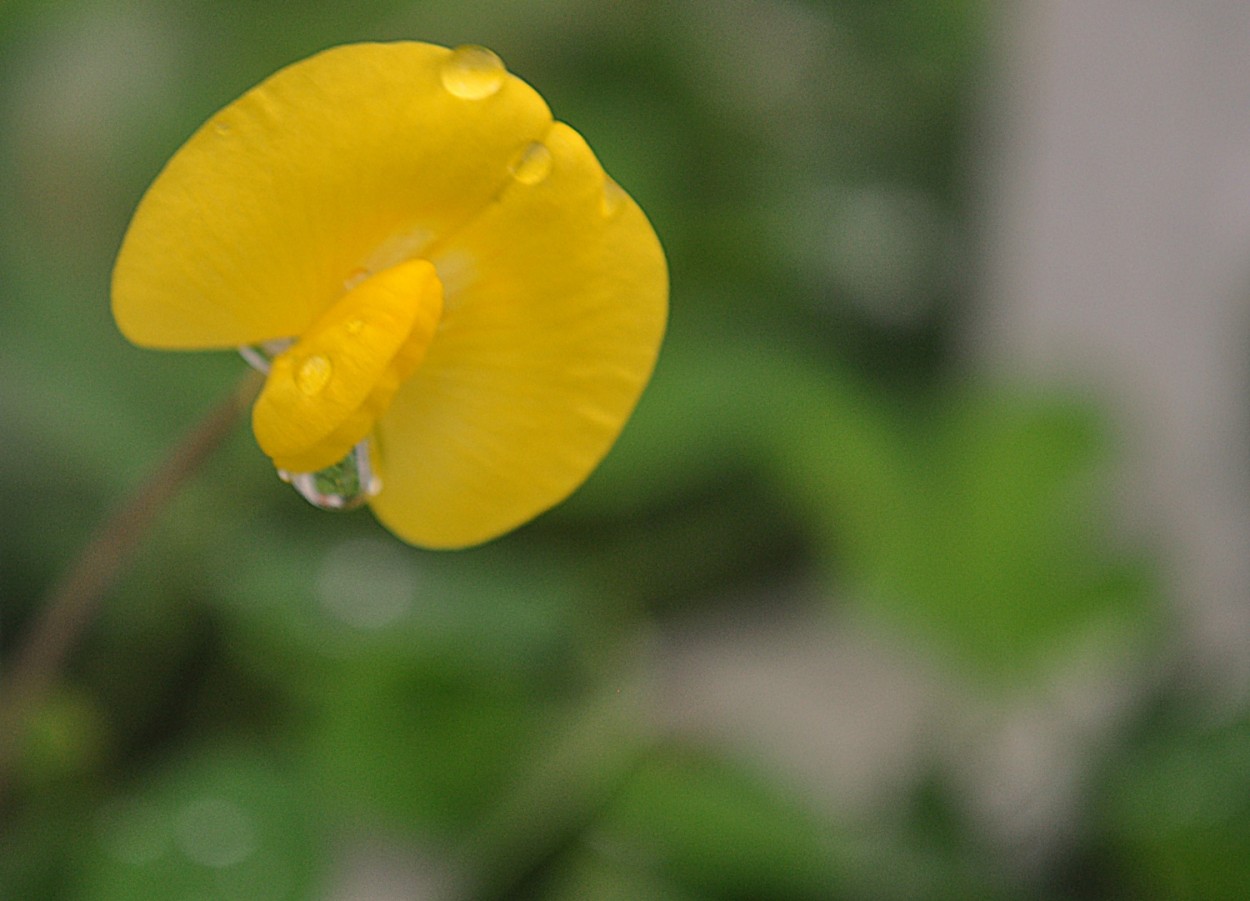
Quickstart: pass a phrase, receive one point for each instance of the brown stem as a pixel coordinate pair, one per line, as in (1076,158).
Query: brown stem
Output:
(73,601)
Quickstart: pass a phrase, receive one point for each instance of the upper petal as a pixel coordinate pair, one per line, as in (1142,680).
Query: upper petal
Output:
(556,299)
(351,160)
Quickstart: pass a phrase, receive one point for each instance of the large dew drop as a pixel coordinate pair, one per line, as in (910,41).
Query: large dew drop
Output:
(473,73)
(613,199)
(346,485)
(314,374)
(531,164)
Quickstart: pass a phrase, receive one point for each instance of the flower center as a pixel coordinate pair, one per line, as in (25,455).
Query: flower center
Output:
(324,393)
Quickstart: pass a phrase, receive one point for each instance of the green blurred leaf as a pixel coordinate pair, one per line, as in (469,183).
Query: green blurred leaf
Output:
(715,829)
(984,537)
(41,844)
(711,827)
(65,737)
(560,784)
(430,748)
(222,824)
(1176,812)
(595,870)
(305,601)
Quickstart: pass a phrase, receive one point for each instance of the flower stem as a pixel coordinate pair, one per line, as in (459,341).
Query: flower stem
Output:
(75,598)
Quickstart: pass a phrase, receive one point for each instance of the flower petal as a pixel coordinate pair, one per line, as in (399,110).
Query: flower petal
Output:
(555,303)
(324,395)
(342,164)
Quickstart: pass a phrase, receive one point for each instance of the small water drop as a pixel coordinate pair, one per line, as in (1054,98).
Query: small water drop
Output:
(255,358)
(354,325)
(531,164)
(473,73)
(314,374)
(260,356)
(613,199)
(222,128)
(355,277)
(346,485)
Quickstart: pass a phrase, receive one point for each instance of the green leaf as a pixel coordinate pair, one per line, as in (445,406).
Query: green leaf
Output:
(712,827)
(981,535)
(1176,812)
(431,749)
(220,824)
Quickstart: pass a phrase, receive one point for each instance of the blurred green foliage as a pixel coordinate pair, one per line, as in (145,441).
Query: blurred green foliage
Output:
(271,686)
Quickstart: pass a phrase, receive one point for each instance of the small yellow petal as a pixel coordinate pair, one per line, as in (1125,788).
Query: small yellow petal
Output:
(556,301)
(354,158)
(324,394)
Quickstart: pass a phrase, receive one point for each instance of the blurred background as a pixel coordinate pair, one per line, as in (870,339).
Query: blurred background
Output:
(920,573)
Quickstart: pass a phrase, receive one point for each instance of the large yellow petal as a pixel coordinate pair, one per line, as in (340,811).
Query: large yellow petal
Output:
(555,303)
(350,160)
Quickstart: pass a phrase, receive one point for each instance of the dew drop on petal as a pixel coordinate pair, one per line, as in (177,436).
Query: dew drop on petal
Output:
(314,374)
(532,164)
(354,325)
(346,485)
(473,73)
(355,277)
(613,198)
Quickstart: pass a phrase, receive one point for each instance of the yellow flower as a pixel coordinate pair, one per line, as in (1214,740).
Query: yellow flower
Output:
(464,298)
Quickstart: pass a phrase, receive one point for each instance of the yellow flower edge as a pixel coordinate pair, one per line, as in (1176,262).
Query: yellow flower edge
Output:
(379,167)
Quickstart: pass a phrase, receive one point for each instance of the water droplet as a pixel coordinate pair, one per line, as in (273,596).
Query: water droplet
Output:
(346,485)
(222,128)
(473,73)
(314,374)
(255,358)
(215,832)
(532,164)
(355,277)
(260,356)
(354,325)
(613,199)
